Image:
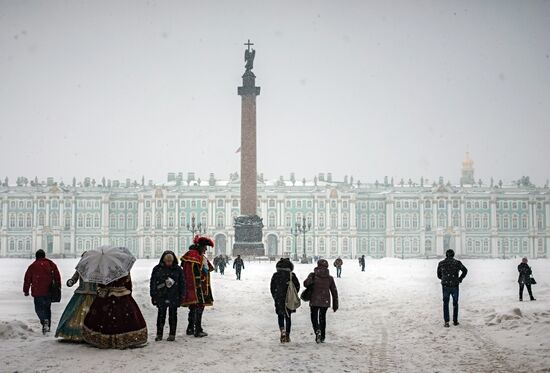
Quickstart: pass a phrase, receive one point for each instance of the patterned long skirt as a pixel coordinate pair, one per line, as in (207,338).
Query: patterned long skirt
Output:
(72,320)
(115,322)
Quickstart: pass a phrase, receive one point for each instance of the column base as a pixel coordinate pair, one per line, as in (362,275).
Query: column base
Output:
(248,236)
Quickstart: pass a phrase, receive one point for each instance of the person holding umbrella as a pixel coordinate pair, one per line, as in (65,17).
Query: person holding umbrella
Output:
(114,319)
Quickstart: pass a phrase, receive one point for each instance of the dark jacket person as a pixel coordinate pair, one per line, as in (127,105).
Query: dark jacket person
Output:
(451,272)
(279,287)
(323,288)
(524,279)
(167,290)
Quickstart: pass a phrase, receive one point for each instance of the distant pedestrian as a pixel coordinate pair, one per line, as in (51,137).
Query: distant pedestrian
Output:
(451,272)
(167,289)
(238,265)
(39,278)
(323,288)
(362,263)
(215,263)
(338,263)
(221,264)
(525,279)
(280,282)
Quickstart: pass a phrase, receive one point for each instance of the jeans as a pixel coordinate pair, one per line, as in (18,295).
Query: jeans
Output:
(447,293)
(285,319)
(528,286)
(338,271)
(319,319)
(362,267)
(238,272)
(43,308)
(172,318)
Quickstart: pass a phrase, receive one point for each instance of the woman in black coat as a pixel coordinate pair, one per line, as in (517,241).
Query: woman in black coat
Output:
(279,287)
(167,289)
(524,279)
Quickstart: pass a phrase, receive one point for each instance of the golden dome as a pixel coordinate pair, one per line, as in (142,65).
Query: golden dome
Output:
(467,163)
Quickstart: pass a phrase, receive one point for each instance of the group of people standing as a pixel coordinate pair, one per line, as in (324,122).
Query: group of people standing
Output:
(320,289)
(104,313)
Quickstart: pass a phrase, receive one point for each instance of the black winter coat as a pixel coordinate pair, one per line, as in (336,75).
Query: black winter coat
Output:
(448,272)
(160,293)
(238,264)
(524,274)
(279,286)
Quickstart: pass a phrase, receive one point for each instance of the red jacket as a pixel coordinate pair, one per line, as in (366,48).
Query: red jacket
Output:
(197,282)
(39,277)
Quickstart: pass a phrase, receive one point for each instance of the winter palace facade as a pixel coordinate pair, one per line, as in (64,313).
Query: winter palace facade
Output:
(347,218)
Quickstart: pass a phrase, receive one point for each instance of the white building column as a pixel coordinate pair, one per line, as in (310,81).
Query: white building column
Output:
(494,228)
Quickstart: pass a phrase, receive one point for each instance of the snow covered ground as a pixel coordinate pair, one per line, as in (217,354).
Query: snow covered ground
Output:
(389,321)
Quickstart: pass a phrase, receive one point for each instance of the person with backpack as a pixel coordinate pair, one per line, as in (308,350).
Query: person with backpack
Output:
(338,263)
(238,265)
(284,289)
(451,272)
(525,279)
(322,289)
(167,289)
(41,277)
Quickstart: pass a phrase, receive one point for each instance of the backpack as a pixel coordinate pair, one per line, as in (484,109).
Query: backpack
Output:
(308,292)
(292,301)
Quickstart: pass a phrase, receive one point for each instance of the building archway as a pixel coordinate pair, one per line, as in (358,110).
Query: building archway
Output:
(272,245)
(220,244)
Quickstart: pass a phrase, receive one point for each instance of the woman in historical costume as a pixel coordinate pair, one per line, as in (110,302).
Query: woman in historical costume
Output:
(72,320)
(114,319)
(198,292)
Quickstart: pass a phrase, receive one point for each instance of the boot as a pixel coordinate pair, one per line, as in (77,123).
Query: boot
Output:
(323,335)
(283,336)
(317,336)
(172,334)
(44,326)
(199,333)
(191,323)
(171,338)
(287,338)
(446,325)
(159,336)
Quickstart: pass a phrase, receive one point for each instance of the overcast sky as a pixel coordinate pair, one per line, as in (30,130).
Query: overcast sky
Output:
(365,88)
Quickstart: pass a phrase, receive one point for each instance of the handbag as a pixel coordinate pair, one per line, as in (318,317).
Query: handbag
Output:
(292,301)
(308,292)
(532,281)
(54,291)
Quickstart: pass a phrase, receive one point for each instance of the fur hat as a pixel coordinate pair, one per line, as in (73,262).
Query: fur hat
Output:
(322,263)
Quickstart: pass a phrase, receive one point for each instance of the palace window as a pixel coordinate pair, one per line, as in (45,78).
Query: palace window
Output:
(381,221)
(415,221)
(524,222)
(147,222)
(271,220)
(398,221)
(456,219)
(344,220)
(442,220)
(363,221)
(158,221)
(288,220)
(170,220)
(96,221)
(220,220)
(428,204)
(333,221)
(372,222)
(485,221)
(54,219)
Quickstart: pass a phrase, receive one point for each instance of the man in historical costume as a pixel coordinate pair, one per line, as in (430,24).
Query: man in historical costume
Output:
(198,294)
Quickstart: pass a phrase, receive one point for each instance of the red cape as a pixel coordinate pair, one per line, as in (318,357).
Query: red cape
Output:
(191,263)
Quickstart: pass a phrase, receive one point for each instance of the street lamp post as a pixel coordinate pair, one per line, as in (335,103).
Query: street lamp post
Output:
(294,231)
(303,229)
(195,228)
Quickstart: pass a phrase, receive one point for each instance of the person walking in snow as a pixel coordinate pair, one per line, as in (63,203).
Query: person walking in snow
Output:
(167,288)
(279,287)
(323,287)
(38,279)
(524,279)
(238,265)
(221,264)
(451,272)
(338,263)
(362,263)
(215,262)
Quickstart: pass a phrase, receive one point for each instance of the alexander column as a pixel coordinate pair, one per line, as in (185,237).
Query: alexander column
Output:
(248,226)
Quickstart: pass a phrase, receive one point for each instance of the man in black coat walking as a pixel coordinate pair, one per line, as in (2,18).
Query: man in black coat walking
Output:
(238,265)
(451,272)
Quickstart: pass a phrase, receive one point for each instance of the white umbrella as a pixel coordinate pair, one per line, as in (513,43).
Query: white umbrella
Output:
(105,264)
